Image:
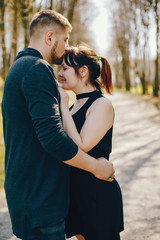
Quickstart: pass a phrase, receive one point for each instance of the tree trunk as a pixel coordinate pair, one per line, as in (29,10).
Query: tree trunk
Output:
(51,4)
(26,8)
(3,44)
(117,74)
(143,82)
(15,34)
(72,5)
(143,78)
(156,81)
(126,65)
(126,74)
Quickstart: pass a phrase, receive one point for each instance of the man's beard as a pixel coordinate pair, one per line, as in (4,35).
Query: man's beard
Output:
(54,58)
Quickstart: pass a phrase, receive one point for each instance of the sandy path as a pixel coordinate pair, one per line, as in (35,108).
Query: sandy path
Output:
(136,155)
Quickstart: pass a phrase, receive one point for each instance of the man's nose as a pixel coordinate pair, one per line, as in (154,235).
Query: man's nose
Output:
(60,73)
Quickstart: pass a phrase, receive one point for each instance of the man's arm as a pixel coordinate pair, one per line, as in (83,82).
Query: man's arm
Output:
(100,168)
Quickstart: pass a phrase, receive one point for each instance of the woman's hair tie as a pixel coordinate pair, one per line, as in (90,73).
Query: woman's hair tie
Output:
(99,58)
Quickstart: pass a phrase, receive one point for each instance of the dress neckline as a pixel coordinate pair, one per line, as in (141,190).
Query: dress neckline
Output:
(90,96)
(85,95)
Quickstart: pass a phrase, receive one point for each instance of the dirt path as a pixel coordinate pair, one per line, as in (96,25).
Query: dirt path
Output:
(136,155)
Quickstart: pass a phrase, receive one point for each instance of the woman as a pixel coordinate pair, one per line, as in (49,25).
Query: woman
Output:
(96,211)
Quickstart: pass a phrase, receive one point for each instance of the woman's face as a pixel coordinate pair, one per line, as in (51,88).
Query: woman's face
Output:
(69,79)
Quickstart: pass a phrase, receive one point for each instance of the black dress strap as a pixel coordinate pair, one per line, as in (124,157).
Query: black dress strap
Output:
(92,96)
(85,95)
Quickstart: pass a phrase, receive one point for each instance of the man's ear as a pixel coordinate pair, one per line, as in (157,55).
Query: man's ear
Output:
(83,71)
(49,37)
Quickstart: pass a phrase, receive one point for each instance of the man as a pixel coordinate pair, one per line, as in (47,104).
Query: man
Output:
(38,150)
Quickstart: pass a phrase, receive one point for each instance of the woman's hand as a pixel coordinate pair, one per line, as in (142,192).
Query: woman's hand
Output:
(64,99)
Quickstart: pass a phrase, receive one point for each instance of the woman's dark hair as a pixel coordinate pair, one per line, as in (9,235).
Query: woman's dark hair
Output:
(79,56)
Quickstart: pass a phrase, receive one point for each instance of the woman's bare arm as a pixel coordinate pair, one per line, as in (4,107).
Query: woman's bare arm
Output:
(99,119)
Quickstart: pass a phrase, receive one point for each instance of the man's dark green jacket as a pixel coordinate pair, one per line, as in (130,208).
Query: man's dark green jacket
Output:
(36,179)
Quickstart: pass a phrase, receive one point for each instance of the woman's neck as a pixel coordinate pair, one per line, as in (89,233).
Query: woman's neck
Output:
(85,90)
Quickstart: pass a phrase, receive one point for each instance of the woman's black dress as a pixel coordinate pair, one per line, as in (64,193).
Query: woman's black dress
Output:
(96,210)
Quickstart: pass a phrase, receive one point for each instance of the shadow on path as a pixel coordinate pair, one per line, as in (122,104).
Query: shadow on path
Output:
(136,155)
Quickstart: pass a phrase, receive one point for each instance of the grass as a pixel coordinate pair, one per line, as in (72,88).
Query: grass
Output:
(137,90)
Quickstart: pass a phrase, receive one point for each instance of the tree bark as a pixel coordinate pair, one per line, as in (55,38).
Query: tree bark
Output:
(72,4)
(3,43)
(26,9)
(15,34)
(156,81)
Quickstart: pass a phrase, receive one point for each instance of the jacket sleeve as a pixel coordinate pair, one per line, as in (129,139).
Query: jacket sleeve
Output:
(42,98)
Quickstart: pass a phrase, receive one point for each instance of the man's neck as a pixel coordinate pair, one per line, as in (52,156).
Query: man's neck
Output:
(39,48)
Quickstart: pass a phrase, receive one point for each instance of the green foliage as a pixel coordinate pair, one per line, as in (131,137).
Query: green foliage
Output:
(137,90)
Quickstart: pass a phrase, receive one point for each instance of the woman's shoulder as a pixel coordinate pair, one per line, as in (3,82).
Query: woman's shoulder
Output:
(102,104)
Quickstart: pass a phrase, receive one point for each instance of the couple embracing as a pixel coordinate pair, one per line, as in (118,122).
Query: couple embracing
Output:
(58,180)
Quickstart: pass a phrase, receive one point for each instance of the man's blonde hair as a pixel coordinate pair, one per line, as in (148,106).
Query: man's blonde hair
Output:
(48,19)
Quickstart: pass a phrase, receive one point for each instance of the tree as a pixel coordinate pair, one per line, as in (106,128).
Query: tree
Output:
(26,9)
(13,52)
(156,7)
(121,28)
(2,34)
(73,10)
(133,21)
(19,13)
(144,10)
(65,7)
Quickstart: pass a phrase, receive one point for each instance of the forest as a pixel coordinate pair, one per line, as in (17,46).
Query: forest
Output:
(135,33)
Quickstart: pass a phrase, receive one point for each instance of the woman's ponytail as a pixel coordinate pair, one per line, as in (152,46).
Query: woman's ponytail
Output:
(100,77)
(106,76)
